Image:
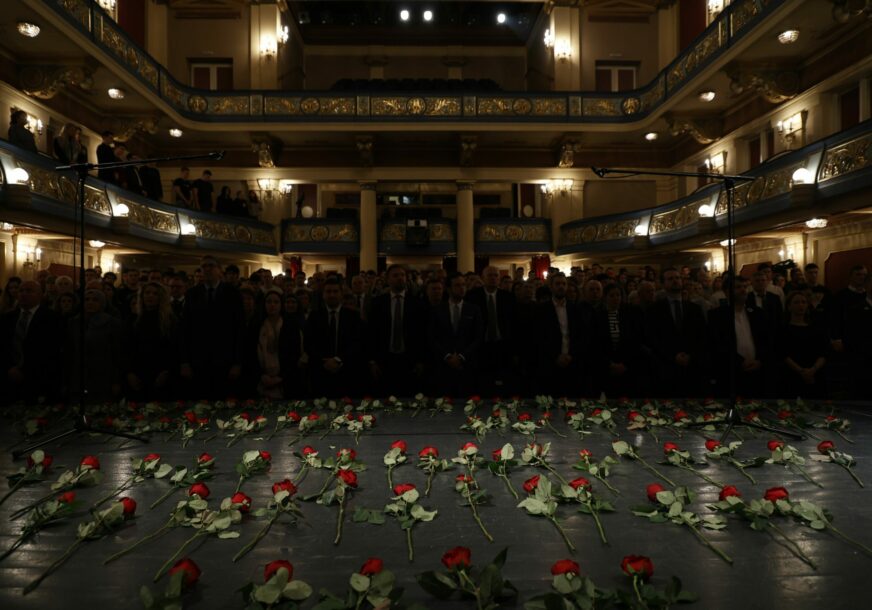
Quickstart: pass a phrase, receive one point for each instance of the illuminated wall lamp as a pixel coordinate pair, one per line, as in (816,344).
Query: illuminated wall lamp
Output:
(268,46)
(19,175)
(188,229)
(122,210)
(283,34)
(641,229)
(727,242)
(548,39)
(802,176)
(706,210)
(96,243)
(791,126)
(562,50)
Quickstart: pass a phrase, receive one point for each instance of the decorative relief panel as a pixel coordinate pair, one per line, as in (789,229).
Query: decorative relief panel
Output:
(549,106)
(415,106)
(678,218)
(492,232)
(282,105)
(602,107)
(229,105)
(654,95)
(329,232)
(228,231)
(79,11)
(846,158)
(743,12)
(396,231)
(693,59)
(150,218)
(441,231)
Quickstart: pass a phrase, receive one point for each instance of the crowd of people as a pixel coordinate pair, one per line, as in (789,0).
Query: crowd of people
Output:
(160,335)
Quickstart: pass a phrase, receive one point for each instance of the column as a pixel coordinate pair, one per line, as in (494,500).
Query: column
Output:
(865,99)
(156,24)
(465,228)
(368,228)
(667,35)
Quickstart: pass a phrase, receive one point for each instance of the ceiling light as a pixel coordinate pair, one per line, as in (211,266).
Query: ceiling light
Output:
(706,96)
(116,94)
(176,133)
(788,36)
(404,15)
(651,136)
(802,176)
(501,18)
(816,223)
(428,15)
(728,242)
(19,175)
(96,243)
(25,28)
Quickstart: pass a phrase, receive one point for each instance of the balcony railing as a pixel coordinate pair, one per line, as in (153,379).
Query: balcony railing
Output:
(392,238)
(736,21)
(321,235)
(510,235)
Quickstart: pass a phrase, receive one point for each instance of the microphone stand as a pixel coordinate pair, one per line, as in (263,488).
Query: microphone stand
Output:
(728,181)
(81,423)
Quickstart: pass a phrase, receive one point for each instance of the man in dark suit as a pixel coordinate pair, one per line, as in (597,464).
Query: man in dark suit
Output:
(362,297)
(211,358)
(105,154)
(740,337)
(760,298)
(397,337)
(31,336)
(177,295)
(844,364)
(675,331)
(333,343)
(456,335)
(498,351)
(559,332)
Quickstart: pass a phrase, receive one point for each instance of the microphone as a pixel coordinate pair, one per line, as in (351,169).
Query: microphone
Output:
(217,156)
(599,171)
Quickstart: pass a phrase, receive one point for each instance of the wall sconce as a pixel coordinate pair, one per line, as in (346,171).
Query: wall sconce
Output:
(35,125)
(641,229)
(283,34)
(122,210)
(548,39)
(19,175)
(29,252)
(802,176)
(790,127)
(562,50)
(5,226)
(706,210)
(553,187)
(727,242)
(286,187)
(715,7)
(716,163)
(110,6)
(188,229)
(268,46)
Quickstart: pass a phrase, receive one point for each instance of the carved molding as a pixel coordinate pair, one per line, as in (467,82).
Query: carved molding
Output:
(365,150)
(268,151)
(774,84)
(703,130)
(566,155)
(468,144)
(44,82)
(125,128)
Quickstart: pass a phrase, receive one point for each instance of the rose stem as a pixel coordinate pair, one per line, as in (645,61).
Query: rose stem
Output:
(295,440)
(839,432)
(42,500)
(125,485)
(705,541)
(340,519)
(233,440)
(849,540)
(21,540)
(742,470)
(409,544)
(258,538)
(169,492)
(550,469)
(655,471)
(702,476)
(555,430)
(175,556)
(171,435)
(239,484)
(853,476)
(390,478)
(429,481)
(563,534)
(304,470)
(21,481)
(509,485)
(806,476)
(475,514)
(142,540)
(474,590)
(794,548)
(599,525)
(607,484)
(72,549)
(273,433)
(636,589)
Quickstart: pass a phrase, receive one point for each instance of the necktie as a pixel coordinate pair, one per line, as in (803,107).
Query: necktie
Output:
(676,313)
(21,335)
(493,330)
(210,293)
(397,342)
(455,322)
(334,333)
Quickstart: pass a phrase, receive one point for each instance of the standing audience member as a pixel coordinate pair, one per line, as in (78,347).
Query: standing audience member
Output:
(102,352)
(455,338)
(67,145)
(497,308)
(19,134)
(106,154)
(9,298)
(274,351)
(802,348)
(224,203)
(151,345)
(618,352)
(559,336)
(334,346)
(204,192)
(182,190)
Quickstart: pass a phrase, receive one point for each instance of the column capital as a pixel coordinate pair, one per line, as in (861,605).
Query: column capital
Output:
(465,185)
(367,185)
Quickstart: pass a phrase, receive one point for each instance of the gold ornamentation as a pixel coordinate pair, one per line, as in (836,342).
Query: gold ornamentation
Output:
(197,103)
(846,158)
(394,231)
(79,10)
(469,106)
(522,106)
(256,105)
(149,72)
(440,231)
(675,219)
(337,105)
(310,105)
(778,182)
(703,130)
(150,218)
(172,92)
(319,233)
(742,14)
(549,106)
(282,105)
(574,105)
(44,82)
(323,232)
(363,105)
(263,237)
(242,234)
(132,58)
(601,107)
(514,233)
(443,106)
(495,106)
(631,105)
(489,233)
(775,84)
(388,106)
(588,233)
(654,95)
(416,105)
(229,105)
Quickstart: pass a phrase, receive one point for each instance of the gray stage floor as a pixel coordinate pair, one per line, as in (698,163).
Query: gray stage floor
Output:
(764,575)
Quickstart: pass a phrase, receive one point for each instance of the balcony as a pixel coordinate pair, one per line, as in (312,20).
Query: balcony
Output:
(513,235)
(321,236)
(393,238)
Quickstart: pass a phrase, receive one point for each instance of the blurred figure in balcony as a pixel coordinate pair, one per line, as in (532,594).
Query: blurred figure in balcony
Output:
(9,298)
(106,154)
(19,134)
(254,206)
(67,145)
(224,203)
(182,190)
(204,192)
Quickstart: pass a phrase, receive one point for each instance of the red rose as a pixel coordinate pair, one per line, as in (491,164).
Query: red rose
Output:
(524,417)
(773,494)
(309,450)
(129,505)
(243,501)
(679,415)
(350,453)
(728,491)
(191,417)
(475,398)
(90,461)
(165,419)
(711,444)
(294,416)
(200,489)
(313,417)
(632,415)
(286,485)
(371,566)
(274,566)
(633,565)
(596,412)
(585,454)
(459,557)
(41,422)
(470,446)
(205,459)
(109,421)
(496,413)
(565,566)
(68,497)
(260,418)
(348,477)
(151,457)
(401,445)
(464,478)
(202,420)
(428,451)
(349,416)
(191,570)
(46,461)
(752,416)
(546,415)
(775,444)
(570,414)
(497,455)
(403,488)
(138,417)
(707,416)
(831,418)
(579,482)
(825,447)
(531,484)
(347,401)
(653,489)
(669,447)
(784,414)
(244,415)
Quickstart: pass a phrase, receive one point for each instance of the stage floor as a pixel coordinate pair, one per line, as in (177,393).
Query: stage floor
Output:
(764,574)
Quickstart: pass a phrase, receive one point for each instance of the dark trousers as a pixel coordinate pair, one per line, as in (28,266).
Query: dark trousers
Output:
(495,371)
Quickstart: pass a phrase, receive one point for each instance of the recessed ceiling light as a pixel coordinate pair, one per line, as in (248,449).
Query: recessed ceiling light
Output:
(706,96)
(116,93)
(788,36)
(651,136)
(816,223)
(428,15)
(404,15)
(727,242)
(501,18)
(25,28)
(176,133)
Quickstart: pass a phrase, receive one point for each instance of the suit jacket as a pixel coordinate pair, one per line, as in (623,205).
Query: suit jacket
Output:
(549,337)
(721,346)
(213,333)
(348,341)
(466,341)
(415,318)
(42,349)
(505,311)
(367,305)
(665,340)
(629,349)
(772,309)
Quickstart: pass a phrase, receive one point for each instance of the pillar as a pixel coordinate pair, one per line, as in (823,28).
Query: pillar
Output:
(667,35)
(368,228)
(156,24)
(865,99)
(465,228)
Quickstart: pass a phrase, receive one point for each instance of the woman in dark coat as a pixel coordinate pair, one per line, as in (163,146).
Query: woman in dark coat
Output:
(152,350)
(803,349)
(618,352)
